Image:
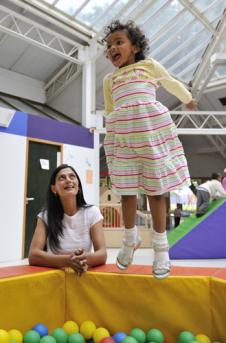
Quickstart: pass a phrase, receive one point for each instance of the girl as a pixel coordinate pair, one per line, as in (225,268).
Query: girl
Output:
(144,154)
(67,228)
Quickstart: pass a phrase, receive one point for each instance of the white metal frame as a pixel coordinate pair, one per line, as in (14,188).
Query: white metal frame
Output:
(19,26)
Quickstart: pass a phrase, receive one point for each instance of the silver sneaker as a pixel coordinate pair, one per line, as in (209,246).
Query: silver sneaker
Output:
(161,269)
(125,255)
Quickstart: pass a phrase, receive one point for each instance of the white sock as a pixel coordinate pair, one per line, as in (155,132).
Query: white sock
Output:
(131,235)
(161,246)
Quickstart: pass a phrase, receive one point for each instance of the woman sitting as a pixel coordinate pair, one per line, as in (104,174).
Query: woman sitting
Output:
(68,228)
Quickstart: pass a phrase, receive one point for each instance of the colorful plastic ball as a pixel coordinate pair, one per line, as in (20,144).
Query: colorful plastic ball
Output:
(155,335)
(99,334)
(60,335)
(202,338)
(76,338)
(71,327)
(15,335)
(185,337)
(129,339)
(119,336)
(4,336)
(31,336)
(47,339)
(138,334)
(87,329)
(41,329)
(107,340)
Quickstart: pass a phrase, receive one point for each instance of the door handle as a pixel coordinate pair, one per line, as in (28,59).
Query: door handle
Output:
(29,199)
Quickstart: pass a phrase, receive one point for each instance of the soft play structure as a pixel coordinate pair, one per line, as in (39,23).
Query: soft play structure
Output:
(192,299)
(201,238)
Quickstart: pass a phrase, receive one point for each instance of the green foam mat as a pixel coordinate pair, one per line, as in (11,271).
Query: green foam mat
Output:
(191,222)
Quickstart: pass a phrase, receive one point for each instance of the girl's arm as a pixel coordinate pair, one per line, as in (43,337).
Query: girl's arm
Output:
(108,103)
(39,257)
(174,86)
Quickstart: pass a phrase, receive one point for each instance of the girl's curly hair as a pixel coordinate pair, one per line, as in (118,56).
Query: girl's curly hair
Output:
(134,33)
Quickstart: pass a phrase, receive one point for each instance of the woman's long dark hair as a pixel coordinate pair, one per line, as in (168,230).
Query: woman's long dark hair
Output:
(55,212)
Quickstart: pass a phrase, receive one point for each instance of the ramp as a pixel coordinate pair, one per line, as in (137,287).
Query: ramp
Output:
(201,238)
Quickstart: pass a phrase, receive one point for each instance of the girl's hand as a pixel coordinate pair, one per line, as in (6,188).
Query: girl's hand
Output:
(92,129)
(192,105)
(79,261)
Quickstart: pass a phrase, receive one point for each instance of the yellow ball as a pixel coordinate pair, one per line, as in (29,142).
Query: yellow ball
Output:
(202,338)
(70,327)
(16,336)
(99,334)
(4,336)
(87,329)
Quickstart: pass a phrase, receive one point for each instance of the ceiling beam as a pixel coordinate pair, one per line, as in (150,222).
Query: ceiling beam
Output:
(204,69)
(10,83)
(48,13)
(23,28)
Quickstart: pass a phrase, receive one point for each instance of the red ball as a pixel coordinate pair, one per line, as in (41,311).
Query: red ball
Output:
(107,340)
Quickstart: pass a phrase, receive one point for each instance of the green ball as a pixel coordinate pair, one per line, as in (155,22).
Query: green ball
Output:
(47,339)
(138,334)
(76,338)
(186,337)
(60,335)
(155,335)
(129,339)
(31,336)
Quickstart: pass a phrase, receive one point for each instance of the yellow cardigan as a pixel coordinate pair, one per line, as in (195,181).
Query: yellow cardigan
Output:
(152,70)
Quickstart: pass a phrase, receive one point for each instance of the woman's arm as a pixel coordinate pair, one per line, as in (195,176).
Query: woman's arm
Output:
(99,256)
(39,257)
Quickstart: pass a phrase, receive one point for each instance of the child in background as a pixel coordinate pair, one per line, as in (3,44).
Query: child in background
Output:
(207,191)
(144,154)
(177,214)
(224,180)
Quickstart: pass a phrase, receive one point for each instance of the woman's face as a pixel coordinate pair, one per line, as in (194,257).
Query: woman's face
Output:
(66,183)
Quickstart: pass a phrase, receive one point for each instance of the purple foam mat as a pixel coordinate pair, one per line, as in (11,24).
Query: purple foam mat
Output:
(207,240)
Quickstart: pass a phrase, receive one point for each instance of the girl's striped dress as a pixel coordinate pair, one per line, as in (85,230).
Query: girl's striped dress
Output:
(144,154)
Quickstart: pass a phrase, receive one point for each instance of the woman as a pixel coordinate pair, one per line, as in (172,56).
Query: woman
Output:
(68,228)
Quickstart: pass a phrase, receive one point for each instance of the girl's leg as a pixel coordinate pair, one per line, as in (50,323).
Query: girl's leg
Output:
(129,209)
(161,264)
(131,240)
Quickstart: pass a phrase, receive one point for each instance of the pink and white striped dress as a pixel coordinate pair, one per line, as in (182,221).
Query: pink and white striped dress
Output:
(144,154)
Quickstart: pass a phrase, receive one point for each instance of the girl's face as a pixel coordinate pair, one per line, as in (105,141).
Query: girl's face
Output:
(66,183)
(120,50)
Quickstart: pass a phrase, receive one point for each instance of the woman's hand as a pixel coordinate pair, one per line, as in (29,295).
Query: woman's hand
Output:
(192,105)
(78,261)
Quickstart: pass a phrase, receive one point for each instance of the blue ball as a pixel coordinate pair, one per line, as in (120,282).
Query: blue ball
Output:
(41,329)
(119,336)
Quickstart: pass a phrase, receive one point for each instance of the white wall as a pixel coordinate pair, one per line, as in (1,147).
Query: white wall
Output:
(12,178)
(12,188)
(83,160)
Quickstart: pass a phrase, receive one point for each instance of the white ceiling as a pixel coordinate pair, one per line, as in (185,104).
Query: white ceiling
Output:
(43,44)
